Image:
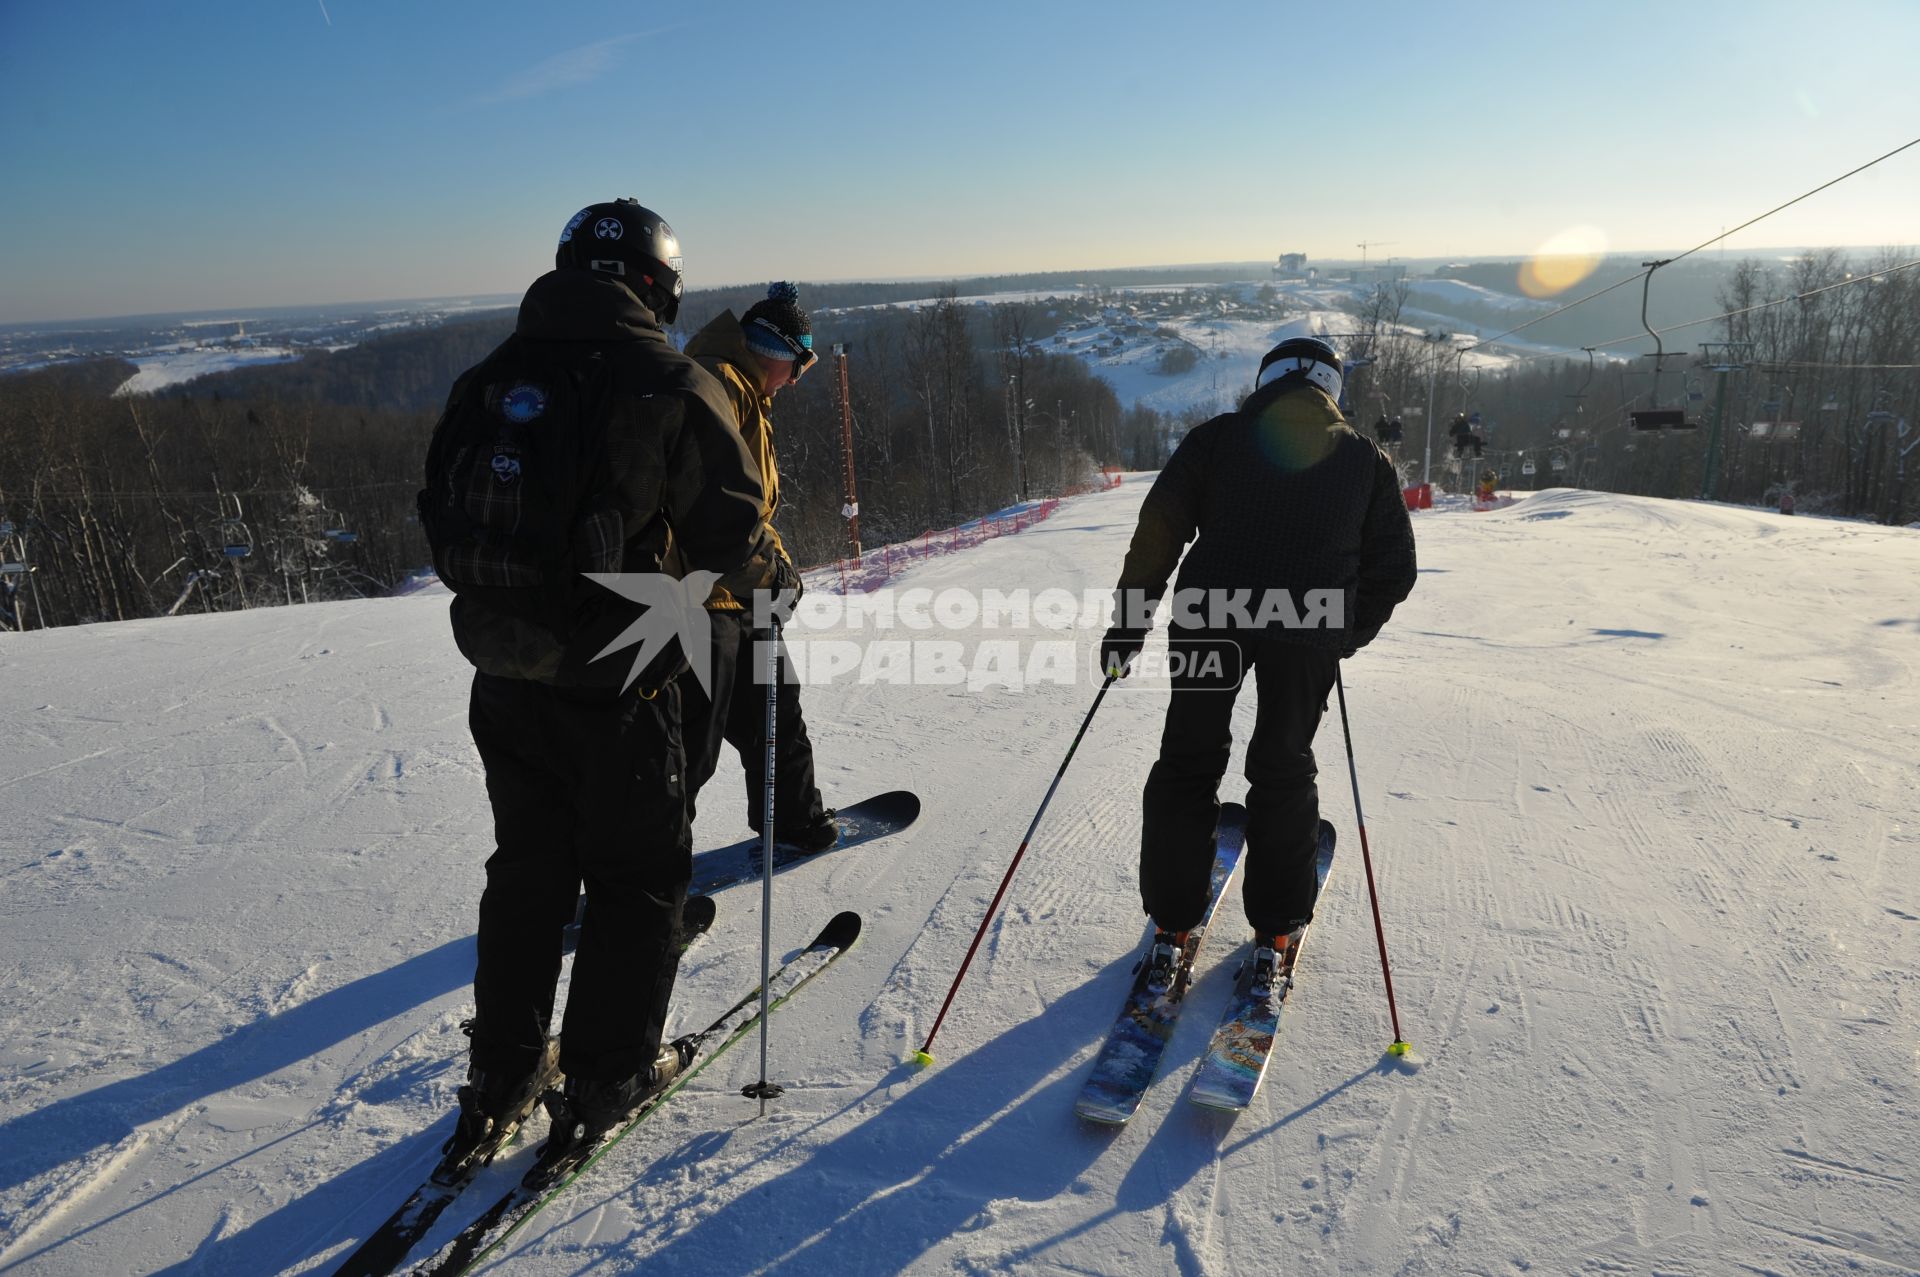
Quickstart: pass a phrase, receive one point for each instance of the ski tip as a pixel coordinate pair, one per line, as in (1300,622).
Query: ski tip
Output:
(839,933)
(922,1059)
(1102,1116)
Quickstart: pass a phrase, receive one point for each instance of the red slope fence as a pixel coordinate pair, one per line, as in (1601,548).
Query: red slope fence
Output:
(876,568)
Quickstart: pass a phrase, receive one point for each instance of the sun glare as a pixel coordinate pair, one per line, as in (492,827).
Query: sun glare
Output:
(1563,261)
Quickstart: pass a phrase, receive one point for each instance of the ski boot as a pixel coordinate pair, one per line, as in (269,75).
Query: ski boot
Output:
(585,1112)
(492,1109)
(1273,962)
(811,839)
(1163,960)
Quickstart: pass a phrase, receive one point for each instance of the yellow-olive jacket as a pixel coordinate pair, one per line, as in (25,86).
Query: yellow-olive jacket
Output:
(721,348)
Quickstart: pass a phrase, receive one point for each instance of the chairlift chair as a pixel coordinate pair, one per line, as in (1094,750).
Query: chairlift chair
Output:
(334,528)
(236,542)
(1656,418)
(1579,396)
(1528,468)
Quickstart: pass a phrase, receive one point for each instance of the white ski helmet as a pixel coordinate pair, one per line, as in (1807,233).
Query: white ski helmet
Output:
(1310,358)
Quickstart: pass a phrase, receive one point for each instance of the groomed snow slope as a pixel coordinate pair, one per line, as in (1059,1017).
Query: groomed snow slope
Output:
(1640,778)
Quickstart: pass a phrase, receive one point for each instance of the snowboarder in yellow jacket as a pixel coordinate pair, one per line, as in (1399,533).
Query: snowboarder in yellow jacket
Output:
(754,357)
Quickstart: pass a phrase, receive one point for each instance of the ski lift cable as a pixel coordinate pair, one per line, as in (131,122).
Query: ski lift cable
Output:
(1781,301)
(1731,314)
(1704,244)
(1843,367)
(1796,199)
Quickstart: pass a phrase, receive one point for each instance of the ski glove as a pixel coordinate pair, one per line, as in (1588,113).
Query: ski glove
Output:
(1119,649)
(786,577)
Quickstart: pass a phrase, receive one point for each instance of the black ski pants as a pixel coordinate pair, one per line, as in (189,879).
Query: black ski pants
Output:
(735,712)
(1181,802)
(584,792)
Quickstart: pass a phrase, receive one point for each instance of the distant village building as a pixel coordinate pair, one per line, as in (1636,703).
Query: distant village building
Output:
(1373,275)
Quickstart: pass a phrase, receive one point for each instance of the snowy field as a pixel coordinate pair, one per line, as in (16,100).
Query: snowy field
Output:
(1229,349)
(172,367)
(1640,778)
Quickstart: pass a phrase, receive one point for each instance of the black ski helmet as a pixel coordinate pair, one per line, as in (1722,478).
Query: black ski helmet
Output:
(1310,358)
(631,242)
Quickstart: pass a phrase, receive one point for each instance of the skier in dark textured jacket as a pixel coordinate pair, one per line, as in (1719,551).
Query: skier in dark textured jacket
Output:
(585,775)
(1295,510)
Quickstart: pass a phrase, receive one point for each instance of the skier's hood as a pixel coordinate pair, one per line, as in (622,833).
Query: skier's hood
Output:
(1297,422)
(578,305)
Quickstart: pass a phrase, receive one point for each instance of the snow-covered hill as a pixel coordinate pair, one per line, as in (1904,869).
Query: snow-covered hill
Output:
(1216,333)
(1640,780)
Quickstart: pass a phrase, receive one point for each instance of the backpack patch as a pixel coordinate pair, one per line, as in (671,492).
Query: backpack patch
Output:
(524,403)
(518,501)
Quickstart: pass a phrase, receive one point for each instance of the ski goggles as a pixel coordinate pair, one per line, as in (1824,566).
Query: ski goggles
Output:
(802,346)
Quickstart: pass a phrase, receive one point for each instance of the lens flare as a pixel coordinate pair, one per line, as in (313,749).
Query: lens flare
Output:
(1563,261)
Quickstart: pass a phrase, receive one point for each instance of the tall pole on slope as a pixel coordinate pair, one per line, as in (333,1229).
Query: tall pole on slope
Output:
(1433,375)
(850,509)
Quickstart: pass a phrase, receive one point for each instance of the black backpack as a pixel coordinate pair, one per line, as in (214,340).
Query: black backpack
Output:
(518,501)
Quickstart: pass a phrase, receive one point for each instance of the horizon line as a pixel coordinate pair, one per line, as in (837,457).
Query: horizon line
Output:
(476,298)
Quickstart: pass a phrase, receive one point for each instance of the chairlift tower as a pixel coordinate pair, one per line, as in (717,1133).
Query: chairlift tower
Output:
(1720,357)
(1433,376)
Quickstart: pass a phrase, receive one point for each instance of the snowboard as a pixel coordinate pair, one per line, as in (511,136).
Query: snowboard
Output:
(860,824)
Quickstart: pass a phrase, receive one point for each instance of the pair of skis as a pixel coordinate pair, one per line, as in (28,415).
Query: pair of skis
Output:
(384,1251)
(1236,1060)
(861,823)
(387,1245)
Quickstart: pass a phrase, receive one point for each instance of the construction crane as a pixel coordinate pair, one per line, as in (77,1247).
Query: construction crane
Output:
(1365,244)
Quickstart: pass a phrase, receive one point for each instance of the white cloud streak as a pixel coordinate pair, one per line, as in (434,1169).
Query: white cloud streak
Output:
(567,69)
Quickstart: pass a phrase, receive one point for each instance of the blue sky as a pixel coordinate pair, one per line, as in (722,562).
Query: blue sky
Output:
(199,154)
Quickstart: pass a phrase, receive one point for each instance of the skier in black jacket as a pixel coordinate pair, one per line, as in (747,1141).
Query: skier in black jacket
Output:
(1294,511)
(584,759)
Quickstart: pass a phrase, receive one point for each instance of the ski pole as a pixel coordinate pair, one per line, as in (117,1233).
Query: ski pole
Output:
(924,1056)
(764,1090)
(1400,1045)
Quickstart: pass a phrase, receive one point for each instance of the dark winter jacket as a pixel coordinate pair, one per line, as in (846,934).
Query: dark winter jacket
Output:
(686,488)
(1282,494)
